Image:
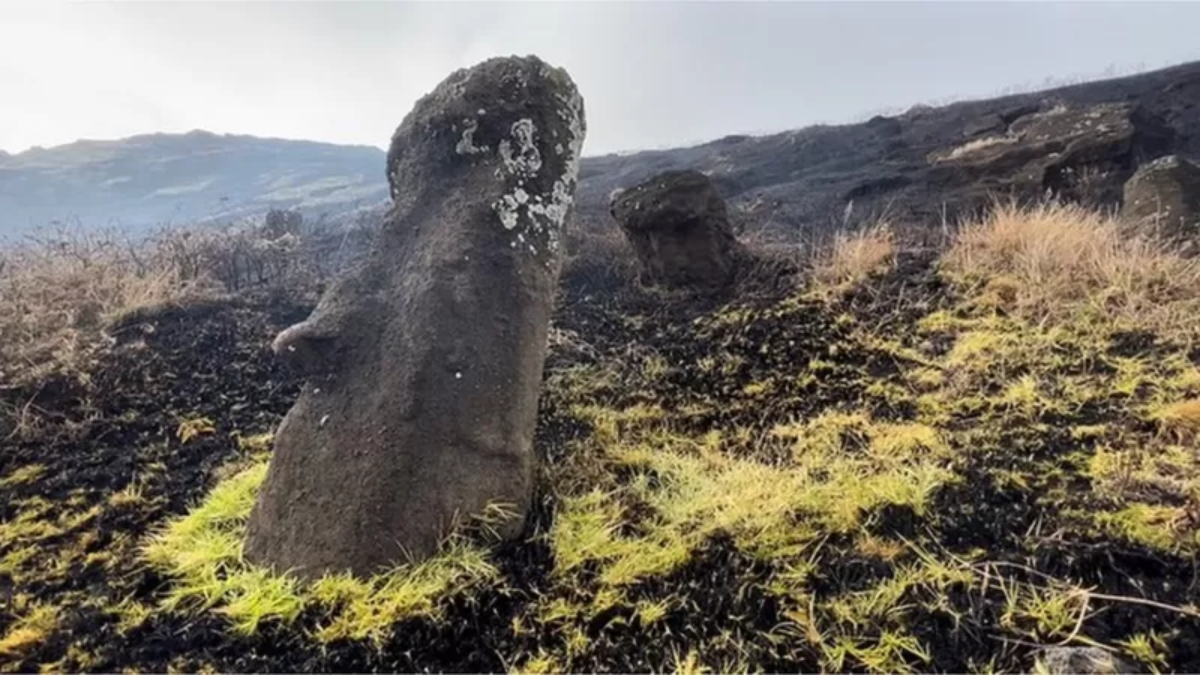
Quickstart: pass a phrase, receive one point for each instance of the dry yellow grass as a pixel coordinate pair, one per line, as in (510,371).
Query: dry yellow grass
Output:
(1058,262)
(854,256)
(59,289)
(29,630)
(56,293)
(974,146)
(1180,419)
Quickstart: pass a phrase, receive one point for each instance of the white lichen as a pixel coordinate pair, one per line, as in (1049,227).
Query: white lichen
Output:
(466,144)
(525,161)
(555,210)
(508,218)
(456,84)
(544,214)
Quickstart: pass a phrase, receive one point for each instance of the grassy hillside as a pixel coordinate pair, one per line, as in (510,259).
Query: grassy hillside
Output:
(897,460)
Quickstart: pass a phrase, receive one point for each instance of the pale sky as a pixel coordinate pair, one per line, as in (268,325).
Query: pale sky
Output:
(653,74)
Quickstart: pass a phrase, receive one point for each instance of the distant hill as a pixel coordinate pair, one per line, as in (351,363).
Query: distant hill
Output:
(788,183)
(145,181)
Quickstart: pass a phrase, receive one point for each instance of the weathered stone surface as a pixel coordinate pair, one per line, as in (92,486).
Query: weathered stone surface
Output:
(679,228)
(1079,660)
(424,365)
(1073,153)
(1165,195)
(988,124)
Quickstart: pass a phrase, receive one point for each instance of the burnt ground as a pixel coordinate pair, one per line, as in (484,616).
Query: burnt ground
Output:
(120,429)
(803,180)
(212,362)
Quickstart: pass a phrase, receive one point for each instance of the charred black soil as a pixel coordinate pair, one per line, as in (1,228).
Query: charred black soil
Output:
(998,555)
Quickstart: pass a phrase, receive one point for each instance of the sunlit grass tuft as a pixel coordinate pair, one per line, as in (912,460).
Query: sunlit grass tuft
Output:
(368,609)
(854,257)
(30,629)
(844,465)
(22,475)
(1061,262)
(1180,419)
(202,551)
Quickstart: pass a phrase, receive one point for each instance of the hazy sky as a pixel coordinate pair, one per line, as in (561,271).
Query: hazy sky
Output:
(653,74)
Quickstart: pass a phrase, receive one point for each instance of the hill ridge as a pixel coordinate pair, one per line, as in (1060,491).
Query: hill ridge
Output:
(787,183)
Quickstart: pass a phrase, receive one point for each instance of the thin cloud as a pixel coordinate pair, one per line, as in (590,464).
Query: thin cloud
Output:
(653,74)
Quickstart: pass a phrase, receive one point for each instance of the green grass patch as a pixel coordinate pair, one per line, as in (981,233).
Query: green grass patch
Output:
(202,552)
(22,475)
(30,629)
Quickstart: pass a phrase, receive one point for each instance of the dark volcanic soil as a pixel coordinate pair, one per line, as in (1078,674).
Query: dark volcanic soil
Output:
(213,362)
(181,364)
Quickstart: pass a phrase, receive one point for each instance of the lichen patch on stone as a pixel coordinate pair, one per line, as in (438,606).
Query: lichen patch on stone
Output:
(524,159)
(507,210)
(466,144)
(544,214)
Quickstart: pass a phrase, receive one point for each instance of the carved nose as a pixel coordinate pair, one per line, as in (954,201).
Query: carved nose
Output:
(303,349)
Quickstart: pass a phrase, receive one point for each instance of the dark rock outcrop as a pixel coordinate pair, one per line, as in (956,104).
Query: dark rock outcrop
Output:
(1080,660)
(987,124)
(679,229)
(1165,196)
(1073,153)
(424,365)
(808,175)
